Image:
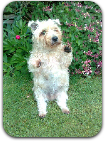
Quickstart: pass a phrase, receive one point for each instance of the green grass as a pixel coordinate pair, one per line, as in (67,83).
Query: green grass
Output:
(20,114)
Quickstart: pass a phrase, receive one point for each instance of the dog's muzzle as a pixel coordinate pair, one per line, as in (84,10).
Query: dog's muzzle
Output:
(54,39)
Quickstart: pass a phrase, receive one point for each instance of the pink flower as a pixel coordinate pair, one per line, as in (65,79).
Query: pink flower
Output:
(77,10)
(76,59)
(79,4)
(78,71)
(89,61)
(47,8)
(28,97)
(17,37)
(86,62)
(88,53)
(99,64)
(95,61)
(66,4)
(96,55)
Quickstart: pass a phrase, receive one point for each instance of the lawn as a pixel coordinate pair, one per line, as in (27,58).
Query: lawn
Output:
(20,114)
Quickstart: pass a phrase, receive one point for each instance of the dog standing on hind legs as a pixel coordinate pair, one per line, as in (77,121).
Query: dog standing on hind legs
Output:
(49,62)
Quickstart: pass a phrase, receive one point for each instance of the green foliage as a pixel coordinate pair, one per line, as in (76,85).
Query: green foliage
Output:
(81,24)
(16,51)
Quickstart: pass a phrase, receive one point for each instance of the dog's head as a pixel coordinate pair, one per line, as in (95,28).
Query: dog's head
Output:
(47,32)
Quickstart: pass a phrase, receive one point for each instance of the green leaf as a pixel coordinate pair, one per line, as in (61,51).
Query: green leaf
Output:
(20,23)
(100,48)
(72,37)
(6,64)
(89,76)
(23,48)
(19,66)
(5,57)
(78,42)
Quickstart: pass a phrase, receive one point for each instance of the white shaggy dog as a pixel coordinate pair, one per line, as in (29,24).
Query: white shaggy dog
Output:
(49,62)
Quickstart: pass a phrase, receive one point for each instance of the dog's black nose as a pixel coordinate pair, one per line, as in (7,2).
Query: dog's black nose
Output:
(55,38)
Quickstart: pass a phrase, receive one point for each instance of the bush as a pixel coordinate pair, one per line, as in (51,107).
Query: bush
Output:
(16,47)
(81,24)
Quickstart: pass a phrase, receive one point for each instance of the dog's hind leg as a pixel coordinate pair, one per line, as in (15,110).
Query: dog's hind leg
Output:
(41,102)
(61,101)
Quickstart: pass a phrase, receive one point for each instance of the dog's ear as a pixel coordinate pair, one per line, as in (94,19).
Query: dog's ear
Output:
(33,25)
(56,21)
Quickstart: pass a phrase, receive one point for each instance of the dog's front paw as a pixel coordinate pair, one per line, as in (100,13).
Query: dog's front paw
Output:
(38,63)
(67,49)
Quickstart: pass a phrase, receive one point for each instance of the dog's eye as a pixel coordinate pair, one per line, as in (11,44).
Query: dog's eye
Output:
(56,30)
(43,32)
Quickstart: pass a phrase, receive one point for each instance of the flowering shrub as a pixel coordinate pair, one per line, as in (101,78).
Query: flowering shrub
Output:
(16,47)
(81,24)
(84,33)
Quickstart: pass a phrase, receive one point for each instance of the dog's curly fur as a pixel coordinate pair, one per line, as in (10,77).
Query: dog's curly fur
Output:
(49,62)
